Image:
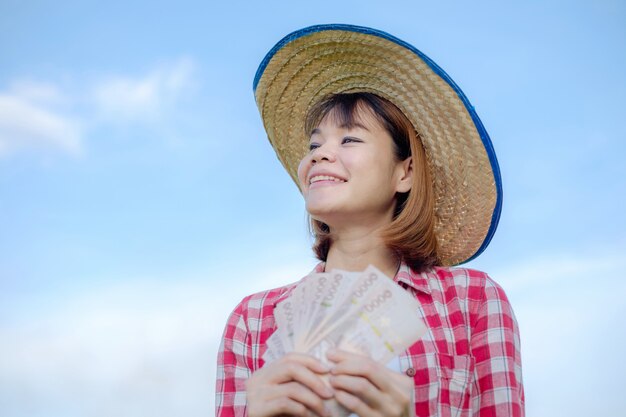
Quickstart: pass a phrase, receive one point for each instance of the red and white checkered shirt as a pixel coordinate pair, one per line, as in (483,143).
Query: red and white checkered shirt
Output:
(467,364)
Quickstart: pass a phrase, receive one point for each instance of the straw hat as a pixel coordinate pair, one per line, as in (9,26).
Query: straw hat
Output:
(311,63)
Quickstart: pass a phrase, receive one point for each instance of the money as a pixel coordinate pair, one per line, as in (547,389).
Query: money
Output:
(362,312)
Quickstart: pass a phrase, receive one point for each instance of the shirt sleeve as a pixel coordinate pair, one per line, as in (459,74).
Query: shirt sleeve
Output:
(233,366)
(495,345)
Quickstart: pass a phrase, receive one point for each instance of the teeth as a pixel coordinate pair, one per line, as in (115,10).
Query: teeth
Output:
(325,178)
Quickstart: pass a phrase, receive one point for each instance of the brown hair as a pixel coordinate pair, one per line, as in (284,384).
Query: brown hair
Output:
(410,235)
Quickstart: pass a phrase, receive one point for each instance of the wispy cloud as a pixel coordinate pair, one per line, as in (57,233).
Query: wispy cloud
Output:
(31,118)
(129,350)
(570,309)
(44,116)
(148,347)
(143,98)
(143,347)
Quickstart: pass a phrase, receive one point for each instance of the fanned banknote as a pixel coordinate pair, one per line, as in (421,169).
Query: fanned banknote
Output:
(362,312)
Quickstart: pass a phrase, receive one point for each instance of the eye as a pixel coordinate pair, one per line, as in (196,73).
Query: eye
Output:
(350,139)
(313,145)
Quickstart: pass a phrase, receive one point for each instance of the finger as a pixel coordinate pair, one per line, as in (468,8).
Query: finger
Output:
(354,404)
(295,367)
(285,406)
(348,363)
(359,365)
(394,390)
(303,395)
(274,399)
(310,380)
(402,381)
(359,387)
(378,404)
(309,361)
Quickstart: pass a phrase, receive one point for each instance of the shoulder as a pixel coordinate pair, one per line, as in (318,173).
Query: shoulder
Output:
(252,319)
(263,302)
(262,299)
(469,283)
(482,302)
(469,291)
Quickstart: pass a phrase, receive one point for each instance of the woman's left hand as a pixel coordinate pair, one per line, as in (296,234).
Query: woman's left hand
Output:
(368,388)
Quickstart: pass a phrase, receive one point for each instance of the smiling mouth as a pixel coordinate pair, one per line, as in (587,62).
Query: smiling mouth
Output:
(319,178)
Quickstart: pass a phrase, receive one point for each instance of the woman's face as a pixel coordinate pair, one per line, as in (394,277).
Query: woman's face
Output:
(351,174)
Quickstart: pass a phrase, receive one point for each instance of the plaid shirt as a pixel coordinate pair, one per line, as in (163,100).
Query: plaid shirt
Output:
(467,364)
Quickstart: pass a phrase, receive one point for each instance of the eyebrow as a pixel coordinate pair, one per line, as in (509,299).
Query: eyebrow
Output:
(343,126)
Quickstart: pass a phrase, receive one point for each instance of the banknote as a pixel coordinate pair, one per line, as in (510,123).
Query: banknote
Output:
(364,312)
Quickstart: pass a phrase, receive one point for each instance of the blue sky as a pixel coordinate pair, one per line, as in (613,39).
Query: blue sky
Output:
(140,199)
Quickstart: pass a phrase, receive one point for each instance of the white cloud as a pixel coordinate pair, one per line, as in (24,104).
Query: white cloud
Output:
(30,118)
(138,348)
(40,116)
(559,268)
(145,98)
(148,347)
(36,92)
(570,311)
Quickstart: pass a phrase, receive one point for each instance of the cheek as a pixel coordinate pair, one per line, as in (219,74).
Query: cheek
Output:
(303,169)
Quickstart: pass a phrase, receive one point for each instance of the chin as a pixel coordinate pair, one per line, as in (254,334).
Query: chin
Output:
(319,213)
(327,216)
(321,205)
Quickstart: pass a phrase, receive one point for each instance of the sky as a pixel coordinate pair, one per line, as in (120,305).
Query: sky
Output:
(140,200)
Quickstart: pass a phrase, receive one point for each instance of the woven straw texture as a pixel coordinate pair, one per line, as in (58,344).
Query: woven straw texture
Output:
(310,67)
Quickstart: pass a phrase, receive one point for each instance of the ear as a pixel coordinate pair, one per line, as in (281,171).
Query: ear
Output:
(404,172)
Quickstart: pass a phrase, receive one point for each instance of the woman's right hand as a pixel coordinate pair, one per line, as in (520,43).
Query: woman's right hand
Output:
(290,385)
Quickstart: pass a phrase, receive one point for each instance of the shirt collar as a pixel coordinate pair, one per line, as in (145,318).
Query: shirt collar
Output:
(415,280)
(405,275)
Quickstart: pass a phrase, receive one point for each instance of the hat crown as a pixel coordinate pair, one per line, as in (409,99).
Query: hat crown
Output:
(313,62)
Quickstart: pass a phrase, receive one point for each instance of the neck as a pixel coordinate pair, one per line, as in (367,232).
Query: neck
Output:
(356,249)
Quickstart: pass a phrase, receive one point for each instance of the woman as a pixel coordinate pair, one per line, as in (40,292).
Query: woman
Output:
(398,172)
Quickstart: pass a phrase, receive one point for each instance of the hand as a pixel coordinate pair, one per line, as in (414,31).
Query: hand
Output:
(290,385)
(368,388)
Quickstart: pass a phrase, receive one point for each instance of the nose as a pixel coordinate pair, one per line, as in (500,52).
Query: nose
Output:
(321,153)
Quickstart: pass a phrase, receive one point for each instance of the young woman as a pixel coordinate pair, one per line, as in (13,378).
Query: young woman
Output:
(398,172)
